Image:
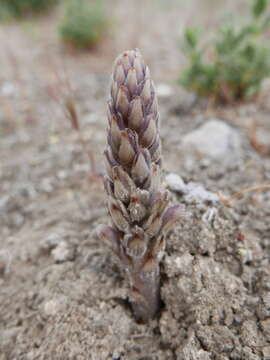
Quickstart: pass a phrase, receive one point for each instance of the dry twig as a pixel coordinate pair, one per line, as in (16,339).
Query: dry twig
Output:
(239,194)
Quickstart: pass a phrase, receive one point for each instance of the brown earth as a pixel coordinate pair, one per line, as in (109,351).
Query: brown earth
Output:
(62,296)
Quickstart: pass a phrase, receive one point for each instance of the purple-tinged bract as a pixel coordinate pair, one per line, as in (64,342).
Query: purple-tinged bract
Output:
(137,203)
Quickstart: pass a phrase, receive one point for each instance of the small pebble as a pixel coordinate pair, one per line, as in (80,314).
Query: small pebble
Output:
(175,183)
(163,90)
(63,252)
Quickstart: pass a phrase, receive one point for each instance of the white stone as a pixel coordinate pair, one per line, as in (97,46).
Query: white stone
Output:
(210,215)
(181,265)
(90,118)
(163,90)
(8,89)
(192,191)
(214,140)
(52,240)
(62,252)
(50,308)
(53,306)
(184,263)
(175,183)
(196,192)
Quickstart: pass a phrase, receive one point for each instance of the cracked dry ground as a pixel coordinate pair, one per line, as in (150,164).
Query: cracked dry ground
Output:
(63,297)
(61,294)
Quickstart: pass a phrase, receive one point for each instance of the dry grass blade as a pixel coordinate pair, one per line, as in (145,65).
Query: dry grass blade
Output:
(69,105)
(227,200)
(64,97)
(261,148)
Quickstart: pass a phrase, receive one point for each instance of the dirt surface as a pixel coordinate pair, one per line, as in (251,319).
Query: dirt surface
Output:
(62,295)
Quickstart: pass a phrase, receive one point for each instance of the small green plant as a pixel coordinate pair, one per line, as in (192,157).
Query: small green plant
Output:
(234,65)
(84,23)
(20,8)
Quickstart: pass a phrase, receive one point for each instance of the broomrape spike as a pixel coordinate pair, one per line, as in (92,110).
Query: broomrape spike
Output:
(137,203)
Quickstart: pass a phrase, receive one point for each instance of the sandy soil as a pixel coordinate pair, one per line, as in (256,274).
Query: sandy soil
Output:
(62,296)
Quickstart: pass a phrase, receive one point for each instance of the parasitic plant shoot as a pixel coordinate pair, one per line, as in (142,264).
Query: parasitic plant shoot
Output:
(138,205)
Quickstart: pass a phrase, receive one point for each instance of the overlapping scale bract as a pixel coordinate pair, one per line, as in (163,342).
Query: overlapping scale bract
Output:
(137,204)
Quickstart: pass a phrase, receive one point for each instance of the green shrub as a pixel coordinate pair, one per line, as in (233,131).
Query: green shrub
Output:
(84,23)
(19,8)
(233,66)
